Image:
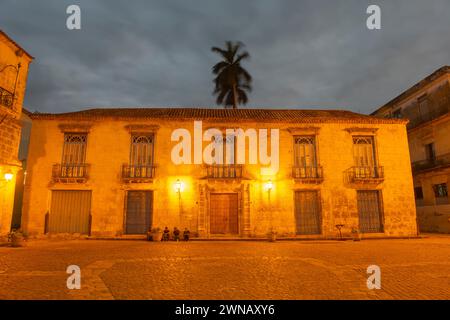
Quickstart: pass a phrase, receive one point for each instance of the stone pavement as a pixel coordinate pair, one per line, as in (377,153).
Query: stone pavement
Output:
(410,269)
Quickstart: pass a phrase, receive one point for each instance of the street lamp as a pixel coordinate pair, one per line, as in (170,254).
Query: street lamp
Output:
(179,187)
(268,186)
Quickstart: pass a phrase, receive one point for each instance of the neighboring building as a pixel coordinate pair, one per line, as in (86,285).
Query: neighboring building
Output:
(427,106)
(109,172)
(14,62)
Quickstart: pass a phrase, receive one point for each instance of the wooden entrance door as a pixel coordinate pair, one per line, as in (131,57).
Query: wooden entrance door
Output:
(307,212)
(69,211)
(224,213)
(139,212)
(370,219)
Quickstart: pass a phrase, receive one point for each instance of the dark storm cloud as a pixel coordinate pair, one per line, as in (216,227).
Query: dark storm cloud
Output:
(157,53)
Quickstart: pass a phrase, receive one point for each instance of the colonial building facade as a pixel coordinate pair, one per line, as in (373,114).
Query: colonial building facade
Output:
(115,172)
(14,62)
(427,106)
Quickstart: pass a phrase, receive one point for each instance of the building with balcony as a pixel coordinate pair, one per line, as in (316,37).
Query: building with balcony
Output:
(14,62)
(427,107)
(301,173)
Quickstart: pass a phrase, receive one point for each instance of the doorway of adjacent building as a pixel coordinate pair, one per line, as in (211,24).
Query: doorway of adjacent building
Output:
(70,211)
(139,212)
(370,219)
(224,213)
(307,212)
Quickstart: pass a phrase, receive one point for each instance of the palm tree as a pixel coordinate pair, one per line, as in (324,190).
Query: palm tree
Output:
(232,81)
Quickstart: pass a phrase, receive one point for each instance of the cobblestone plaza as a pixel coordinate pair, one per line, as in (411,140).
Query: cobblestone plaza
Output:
(410,269)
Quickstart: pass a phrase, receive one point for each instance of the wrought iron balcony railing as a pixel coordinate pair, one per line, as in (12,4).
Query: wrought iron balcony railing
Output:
(70,172)
(365,174)
(429,164)
(224,171)
(6,98)
(307,173)
(138,173)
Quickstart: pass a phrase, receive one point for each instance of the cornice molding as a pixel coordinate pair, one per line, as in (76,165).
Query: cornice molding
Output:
(75,127)
(142,128)
(356,130)
(303,130)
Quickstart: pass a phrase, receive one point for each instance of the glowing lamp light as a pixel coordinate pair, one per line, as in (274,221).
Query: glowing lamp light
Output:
(269,185)
(8,176)
(178,186)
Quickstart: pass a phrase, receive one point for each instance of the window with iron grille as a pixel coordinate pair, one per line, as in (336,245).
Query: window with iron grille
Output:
(440,190)
(74,149)
(441,193)
(369,211)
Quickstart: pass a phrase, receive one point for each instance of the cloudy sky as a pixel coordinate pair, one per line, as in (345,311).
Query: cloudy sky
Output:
(306,54)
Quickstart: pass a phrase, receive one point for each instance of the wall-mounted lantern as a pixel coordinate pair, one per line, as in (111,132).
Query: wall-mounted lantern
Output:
(8,176)
(268,185)
(178,186)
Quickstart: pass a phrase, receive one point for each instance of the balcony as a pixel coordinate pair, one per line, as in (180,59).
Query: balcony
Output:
(6,98)
(307,174)
(430,164)
(224,171)
(138,173)
(365,175)
(70,173)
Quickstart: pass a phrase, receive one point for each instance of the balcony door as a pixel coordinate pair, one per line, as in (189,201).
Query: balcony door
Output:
(305,162)
(364,157)
(74,155)
(141,156)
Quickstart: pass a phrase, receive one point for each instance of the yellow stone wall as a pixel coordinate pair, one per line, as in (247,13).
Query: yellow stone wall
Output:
(109,146)
(10,127)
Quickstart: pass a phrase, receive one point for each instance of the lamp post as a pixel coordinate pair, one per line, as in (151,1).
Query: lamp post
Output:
(178,188)
(269,186)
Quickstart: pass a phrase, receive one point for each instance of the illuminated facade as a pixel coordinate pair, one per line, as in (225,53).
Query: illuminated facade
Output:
(427,107)
(14,62)
(111,172)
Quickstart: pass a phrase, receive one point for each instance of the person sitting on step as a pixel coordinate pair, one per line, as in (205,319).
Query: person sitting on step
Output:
(186,234)
(166,234)
(176,234)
